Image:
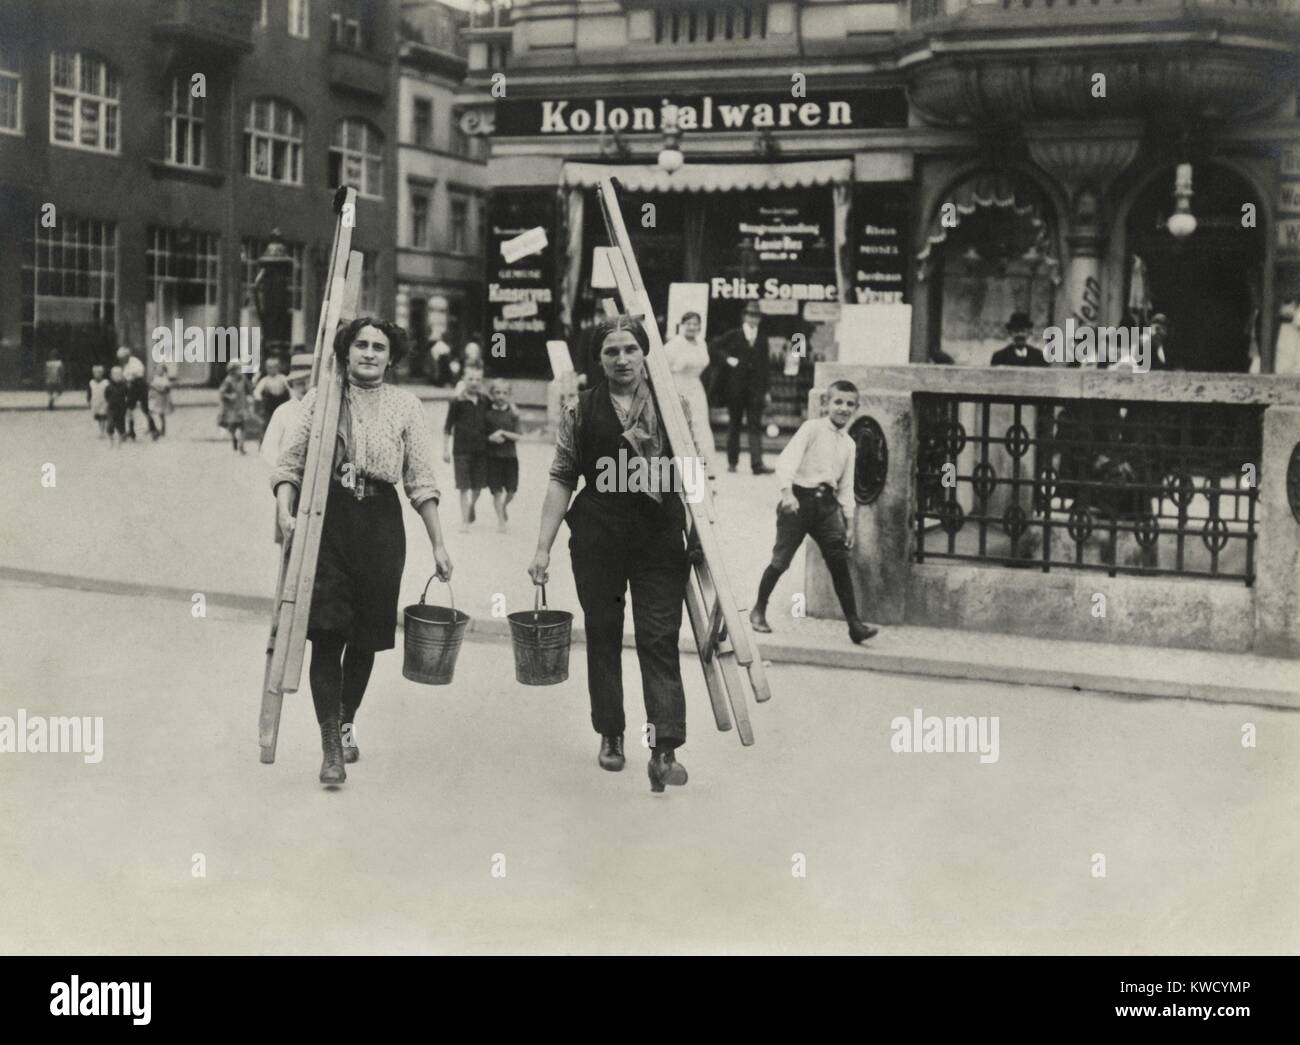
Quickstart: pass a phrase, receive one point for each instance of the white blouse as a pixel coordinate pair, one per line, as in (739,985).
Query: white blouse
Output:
(390,440)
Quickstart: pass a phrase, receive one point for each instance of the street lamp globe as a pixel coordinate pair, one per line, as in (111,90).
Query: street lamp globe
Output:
(671,159)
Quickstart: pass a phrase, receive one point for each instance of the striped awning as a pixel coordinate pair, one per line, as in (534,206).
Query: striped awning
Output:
(712,177)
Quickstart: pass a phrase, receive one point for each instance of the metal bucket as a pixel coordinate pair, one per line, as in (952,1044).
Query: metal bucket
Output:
(540,638)
(433,635)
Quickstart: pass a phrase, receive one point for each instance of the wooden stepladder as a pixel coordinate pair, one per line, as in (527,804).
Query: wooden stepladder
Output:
(732,669)
(287,642)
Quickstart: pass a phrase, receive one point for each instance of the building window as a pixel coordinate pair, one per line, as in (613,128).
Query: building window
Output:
(345,32)
(369,303)
(184,122)
(252,249)
(419,217)
(184,271)
(298,19)
(273,142)
(263,18)
(460,141)
(461,236)
(83,102)
(357,157)
(69,274)
(11,95)
(422,122)
(710,23)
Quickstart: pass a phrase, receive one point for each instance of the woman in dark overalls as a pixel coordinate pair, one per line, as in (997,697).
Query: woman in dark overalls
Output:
(618,541)
(383,439)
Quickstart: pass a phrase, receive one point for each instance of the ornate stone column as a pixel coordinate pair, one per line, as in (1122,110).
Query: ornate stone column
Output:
(1085,157)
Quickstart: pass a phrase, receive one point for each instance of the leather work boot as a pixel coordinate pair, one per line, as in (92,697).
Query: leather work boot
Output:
(611,753)
(665,769)
(860,632)
(331,743)
(347,733)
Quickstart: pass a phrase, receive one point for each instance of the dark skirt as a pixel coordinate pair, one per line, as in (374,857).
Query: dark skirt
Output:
(359,572)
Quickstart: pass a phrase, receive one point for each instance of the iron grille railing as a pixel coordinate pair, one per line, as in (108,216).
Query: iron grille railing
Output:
(1116,486)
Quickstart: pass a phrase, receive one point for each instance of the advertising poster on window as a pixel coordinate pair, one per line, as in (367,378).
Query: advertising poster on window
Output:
(521,291)
(881,218)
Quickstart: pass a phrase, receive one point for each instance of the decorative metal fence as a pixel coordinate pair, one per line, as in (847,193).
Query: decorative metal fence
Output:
(1110,485)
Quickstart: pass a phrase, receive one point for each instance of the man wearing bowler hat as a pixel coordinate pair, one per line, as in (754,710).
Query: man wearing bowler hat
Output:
(1020,352)
(740,357)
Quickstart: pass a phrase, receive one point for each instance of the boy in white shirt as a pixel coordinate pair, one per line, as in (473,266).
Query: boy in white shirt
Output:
(815,471)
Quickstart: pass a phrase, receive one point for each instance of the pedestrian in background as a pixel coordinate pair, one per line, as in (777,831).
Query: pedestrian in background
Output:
(115,400)
(234,405)
(271,391)
(137,391)
(688,358)
(1019,352)
(160,397)
(54,377)
(465,435)
(742,364)
(502,425)
(95,397)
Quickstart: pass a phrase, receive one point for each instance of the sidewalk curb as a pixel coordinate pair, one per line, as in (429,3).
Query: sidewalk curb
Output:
(806,652)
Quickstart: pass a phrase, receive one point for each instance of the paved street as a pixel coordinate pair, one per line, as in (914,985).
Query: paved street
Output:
(188,510)
(903,852)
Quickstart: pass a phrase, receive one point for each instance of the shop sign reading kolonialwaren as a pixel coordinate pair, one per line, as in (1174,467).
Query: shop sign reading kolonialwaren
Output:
(856,109)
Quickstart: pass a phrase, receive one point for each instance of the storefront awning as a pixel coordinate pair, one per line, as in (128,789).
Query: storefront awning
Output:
(712,177)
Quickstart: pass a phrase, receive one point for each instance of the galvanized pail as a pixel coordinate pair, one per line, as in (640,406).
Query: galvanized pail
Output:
(541,642)
(433,635)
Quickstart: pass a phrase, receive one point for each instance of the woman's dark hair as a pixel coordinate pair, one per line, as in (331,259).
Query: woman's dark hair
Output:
(614,324)
(347,334)
(689,315)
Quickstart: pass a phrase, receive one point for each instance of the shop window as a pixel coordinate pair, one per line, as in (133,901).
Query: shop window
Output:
(184,122)
(76,262)
(710,23)
(84,102)
(183,266)
(357,157)
(273,136)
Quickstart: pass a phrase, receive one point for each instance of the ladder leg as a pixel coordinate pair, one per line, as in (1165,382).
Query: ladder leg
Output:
(708,660)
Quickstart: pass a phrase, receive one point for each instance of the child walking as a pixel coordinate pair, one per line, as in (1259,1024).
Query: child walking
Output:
(54,377)
(502,461)
(115,399)
(95,397)
(160,397)
(815,471)
(465,432)
(234,406)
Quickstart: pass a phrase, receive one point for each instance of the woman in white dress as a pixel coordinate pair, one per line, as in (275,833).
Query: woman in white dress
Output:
(688,355)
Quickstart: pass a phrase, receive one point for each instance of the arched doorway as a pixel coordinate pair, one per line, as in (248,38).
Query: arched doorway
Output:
(1209,284)
(990,251)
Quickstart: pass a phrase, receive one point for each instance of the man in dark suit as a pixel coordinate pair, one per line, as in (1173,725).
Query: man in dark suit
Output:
(1020,352)
(740,358)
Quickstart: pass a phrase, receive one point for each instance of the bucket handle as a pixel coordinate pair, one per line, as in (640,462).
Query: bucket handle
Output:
(539,598)
(449,591)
